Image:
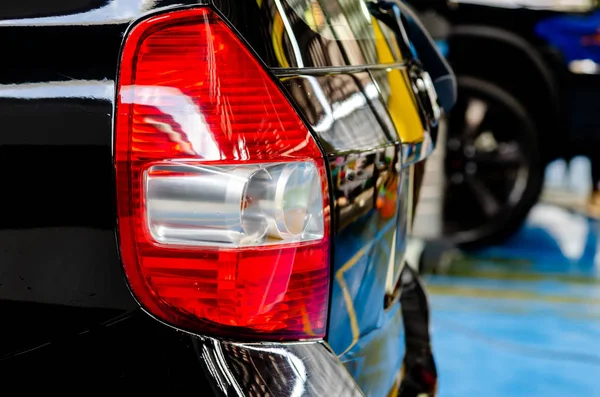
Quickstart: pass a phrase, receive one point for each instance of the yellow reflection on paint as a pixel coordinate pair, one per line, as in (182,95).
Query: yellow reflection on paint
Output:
(277,38)
(401,102)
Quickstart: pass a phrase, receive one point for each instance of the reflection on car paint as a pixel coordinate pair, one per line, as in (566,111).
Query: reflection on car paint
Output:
(339,110)
(276,369)
(366,231)
(111,12)
(371,196)
(393,84)
(348,40)
(365,181)
(101,90)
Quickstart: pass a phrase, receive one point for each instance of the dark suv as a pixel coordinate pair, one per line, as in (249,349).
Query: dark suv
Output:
(231,184)
(528,77)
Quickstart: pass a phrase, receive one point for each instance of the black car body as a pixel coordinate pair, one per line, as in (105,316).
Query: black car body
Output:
(70,321)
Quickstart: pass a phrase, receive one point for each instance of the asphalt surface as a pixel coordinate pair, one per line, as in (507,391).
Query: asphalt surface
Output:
(523,318)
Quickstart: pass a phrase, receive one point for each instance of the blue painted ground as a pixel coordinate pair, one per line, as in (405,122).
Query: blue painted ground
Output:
(522,319)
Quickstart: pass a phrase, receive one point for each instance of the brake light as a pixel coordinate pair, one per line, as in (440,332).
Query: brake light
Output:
(222,198)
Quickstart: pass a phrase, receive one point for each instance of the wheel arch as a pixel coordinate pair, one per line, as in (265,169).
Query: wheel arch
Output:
(514,64)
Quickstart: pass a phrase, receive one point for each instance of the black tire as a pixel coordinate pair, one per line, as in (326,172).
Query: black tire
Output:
(468,221)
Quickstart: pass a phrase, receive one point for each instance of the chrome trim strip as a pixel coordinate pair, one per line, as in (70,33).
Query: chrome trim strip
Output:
(282,72)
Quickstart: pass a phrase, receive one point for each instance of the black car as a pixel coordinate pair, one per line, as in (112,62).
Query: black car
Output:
(528,82)
(228,196)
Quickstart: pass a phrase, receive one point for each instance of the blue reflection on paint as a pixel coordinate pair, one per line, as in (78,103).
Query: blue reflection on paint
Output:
(442,46)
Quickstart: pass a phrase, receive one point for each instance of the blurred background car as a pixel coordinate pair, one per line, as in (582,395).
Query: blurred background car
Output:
(528,93)
(507,233)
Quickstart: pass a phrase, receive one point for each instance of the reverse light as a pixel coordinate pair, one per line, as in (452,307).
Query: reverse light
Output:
(222,197)
(234,206)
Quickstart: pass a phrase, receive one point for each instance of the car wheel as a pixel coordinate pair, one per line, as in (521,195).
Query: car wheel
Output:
(494,172)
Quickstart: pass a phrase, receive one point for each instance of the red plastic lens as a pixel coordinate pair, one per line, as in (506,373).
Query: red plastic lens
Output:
(191,96)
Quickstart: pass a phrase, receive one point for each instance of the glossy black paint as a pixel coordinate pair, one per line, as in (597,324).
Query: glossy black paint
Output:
(352,115)
(58,255)
(303,46)
(131,353)
(62,291)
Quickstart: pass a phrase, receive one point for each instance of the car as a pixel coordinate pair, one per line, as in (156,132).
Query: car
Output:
(230,186)
(528,79)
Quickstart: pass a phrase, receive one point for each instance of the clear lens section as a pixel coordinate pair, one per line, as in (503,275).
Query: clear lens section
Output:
(247,205)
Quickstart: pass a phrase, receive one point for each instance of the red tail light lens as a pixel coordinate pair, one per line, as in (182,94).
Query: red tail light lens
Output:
(221,190)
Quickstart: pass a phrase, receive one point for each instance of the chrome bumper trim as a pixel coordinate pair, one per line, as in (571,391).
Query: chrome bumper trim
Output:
(274,369)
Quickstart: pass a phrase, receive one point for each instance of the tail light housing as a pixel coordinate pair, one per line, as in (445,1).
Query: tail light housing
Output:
(222,195)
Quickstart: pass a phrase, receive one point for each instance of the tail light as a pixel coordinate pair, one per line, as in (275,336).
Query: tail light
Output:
(222,198)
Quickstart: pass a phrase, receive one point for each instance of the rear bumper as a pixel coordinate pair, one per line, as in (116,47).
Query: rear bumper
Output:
(134,352)
(276,369)
(137,353)
(312,369)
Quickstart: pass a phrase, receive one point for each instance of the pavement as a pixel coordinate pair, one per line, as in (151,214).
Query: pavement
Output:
(522,318)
